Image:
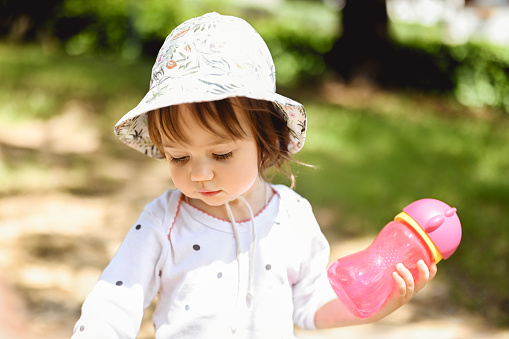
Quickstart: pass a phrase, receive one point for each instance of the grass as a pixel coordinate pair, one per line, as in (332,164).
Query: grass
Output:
(374,155)
(37,83)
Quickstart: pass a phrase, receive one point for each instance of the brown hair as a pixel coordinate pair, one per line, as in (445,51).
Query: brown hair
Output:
(265,119)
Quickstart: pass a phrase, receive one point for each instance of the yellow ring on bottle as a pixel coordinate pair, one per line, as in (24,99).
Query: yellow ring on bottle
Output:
(403,216)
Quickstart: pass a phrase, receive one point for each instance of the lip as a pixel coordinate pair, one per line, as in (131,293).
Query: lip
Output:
(209,194)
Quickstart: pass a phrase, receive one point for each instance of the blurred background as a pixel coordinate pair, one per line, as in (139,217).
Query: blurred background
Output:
(406,99)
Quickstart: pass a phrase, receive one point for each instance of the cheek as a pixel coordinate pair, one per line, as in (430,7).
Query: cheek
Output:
(177,177)
(246,170)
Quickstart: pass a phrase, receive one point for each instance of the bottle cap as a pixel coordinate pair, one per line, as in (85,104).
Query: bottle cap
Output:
(440,222)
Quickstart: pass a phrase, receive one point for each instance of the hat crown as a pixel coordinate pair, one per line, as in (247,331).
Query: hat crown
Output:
(209,58)
(219,50)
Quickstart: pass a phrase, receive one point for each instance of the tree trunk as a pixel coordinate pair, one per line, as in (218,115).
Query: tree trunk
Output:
(360,50)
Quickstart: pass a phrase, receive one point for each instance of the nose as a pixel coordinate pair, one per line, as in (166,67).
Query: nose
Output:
(201,170)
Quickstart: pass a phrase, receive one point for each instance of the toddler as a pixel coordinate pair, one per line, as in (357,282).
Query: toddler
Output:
(228,254)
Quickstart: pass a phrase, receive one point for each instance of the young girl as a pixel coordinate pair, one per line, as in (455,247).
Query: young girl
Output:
(227,253)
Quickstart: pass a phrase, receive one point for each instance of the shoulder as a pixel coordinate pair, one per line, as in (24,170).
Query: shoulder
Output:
(298,210)
(164,208)
(286,192)
(162,202)
(298,214)
(291,199)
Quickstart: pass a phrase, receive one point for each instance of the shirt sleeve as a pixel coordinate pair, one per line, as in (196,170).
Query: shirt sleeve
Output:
(312,288)
(114,309)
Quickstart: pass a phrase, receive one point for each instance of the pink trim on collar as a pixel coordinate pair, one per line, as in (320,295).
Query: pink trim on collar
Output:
(220,219)
(176,215)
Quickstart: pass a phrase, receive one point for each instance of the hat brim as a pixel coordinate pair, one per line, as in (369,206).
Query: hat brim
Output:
(132,128)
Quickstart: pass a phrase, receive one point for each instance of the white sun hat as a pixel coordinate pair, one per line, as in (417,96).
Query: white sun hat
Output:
(209,58)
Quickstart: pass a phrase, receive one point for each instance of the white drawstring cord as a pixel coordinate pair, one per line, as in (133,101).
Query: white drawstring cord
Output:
(252,247)
(237,242)
(251,261)
(252,250)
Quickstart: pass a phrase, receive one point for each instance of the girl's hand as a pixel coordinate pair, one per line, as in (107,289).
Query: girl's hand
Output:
(406,287)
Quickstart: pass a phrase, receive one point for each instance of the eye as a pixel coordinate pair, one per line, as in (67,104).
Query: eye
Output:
(178,161)
(224,156)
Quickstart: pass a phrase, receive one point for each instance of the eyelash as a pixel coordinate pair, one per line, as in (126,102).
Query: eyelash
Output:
(178,161)
(224,156)
(218,157)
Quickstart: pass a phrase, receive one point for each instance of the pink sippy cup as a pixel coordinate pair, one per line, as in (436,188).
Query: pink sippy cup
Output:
(427,229)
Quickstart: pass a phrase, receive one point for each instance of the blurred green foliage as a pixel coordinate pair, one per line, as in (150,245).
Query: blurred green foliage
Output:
(482,75)
(478,72)
(36,84)
(124,26)
(298,33)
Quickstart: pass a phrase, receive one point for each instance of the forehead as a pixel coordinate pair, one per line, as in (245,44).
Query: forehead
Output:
(218,120)
(192,122)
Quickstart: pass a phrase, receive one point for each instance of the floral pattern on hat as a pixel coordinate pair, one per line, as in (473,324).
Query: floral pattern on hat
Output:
(210,58)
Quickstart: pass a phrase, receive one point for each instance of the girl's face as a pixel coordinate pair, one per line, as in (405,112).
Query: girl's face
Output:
(211,170)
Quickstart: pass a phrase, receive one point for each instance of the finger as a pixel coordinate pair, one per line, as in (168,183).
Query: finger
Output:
(424,275)
(432,271)
(406,275)
(400,284)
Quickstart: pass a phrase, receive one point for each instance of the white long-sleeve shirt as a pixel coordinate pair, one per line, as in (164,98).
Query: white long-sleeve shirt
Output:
(190,258)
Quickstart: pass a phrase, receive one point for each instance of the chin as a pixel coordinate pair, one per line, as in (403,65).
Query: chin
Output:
(211,201)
